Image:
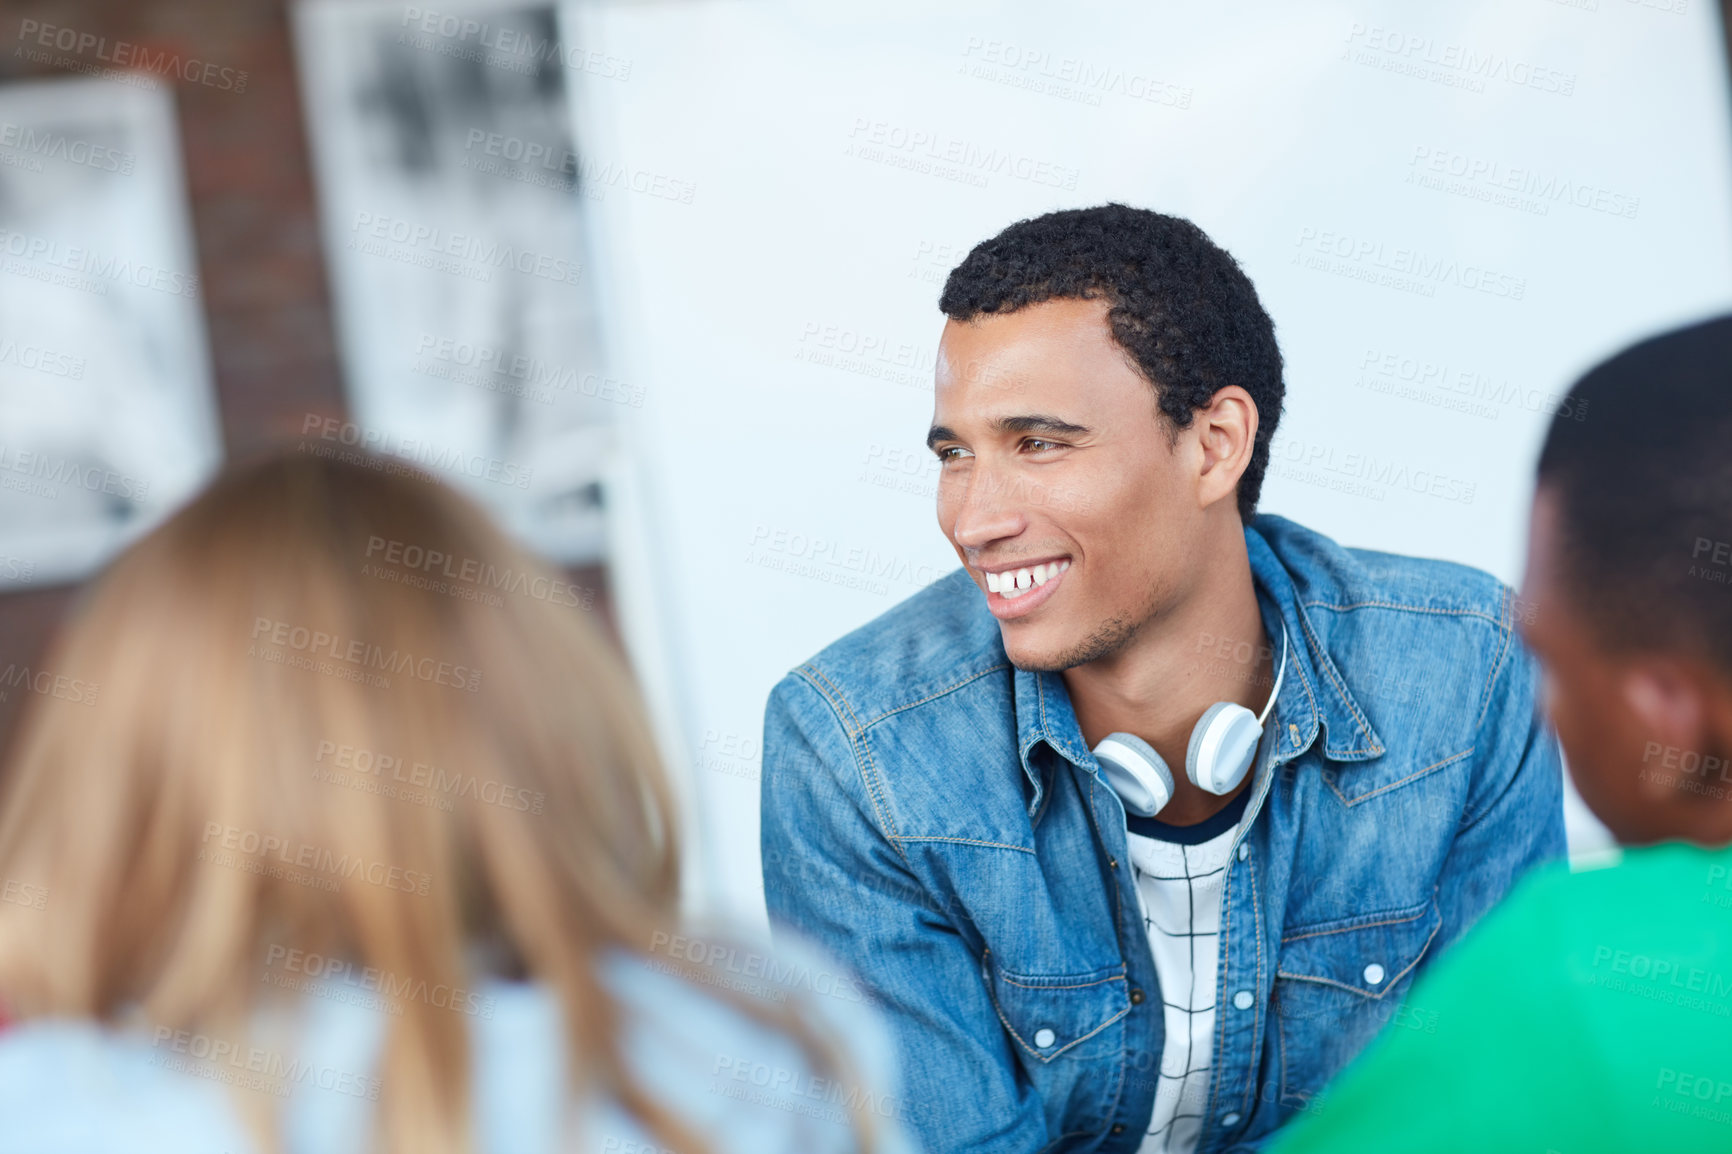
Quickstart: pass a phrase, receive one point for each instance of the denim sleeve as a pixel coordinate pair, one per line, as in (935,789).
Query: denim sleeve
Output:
(1515,813)
(832,874)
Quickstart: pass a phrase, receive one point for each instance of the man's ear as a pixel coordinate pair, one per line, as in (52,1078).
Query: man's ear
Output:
(1227,433)
(1669,702)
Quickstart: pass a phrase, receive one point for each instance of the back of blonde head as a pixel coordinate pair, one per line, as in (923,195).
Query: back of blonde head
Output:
(193,822)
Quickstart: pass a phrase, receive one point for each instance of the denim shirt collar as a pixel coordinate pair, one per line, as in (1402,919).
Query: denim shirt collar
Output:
(1314,695)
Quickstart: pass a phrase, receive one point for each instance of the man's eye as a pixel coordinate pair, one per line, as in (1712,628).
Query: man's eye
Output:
(950,453)
(1037,445)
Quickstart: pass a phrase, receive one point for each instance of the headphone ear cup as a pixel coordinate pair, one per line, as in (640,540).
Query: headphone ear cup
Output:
(1136,772)
(1222,744)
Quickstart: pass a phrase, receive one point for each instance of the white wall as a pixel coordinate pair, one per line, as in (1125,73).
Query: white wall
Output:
(843,157)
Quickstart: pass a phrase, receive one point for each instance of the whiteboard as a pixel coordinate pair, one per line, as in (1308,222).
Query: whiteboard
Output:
(1450,211)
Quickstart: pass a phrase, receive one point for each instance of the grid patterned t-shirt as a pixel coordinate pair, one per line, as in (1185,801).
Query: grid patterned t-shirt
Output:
(1181,872)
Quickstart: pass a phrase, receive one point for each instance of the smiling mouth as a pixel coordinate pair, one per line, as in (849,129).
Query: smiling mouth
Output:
(1015,584)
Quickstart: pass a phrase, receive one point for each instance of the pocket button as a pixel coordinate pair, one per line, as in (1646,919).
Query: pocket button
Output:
(1373,974)
(1043,1038)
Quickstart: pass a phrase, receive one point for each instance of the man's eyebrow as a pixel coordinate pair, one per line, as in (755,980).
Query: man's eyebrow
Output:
(1038,423)
(1027,423)
(939,433)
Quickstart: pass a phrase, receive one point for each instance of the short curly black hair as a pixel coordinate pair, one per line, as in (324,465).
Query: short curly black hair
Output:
(1636,460)
(1178,303)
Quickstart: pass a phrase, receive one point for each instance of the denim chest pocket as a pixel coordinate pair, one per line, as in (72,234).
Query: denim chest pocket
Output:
(1049,1016)
(1338,983)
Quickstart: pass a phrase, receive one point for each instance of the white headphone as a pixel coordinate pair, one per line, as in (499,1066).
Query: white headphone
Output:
(1223,742)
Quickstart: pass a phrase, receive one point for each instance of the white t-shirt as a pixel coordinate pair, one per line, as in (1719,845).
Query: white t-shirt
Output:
(1181,873)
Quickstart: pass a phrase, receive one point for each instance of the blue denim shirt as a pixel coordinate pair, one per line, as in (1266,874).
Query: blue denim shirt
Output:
(934,816)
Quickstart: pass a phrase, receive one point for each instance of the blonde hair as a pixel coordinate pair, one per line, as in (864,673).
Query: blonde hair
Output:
(195,823)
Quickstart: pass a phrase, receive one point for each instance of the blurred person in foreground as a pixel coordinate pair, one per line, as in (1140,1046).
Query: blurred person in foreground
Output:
(338,861)
(1592,1011)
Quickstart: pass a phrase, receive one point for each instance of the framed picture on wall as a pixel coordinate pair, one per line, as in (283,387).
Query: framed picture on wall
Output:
(452,201)
(107,411)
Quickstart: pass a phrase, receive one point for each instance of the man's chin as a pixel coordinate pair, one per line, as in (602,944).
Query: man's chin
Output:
(1037,655)
(1038,663)
(1068,653)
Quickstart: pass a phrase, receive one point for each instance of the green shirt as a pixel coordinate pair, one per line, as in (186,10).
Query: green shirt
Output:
(1590,1011)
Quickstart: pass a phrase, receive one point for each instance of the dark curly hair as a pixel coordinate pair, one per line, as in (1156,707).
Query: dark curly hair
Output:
(1177,303)
(1636,459)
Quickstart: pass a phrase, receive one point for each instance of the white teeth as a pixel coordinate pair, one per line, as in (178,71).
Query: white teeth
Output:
(1015,582)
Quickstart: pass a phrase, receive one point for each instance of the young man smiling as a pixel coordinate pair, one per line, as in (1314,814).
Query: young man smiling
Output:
(1077,953)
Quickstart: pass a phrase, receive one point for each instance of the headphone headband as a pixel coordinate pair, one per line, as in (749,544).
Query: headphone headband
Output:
(1223,744)
(1280,672)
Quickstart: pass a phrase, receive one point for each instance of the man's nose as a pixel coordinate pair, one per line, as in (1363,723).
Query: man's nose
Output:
(986,511)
